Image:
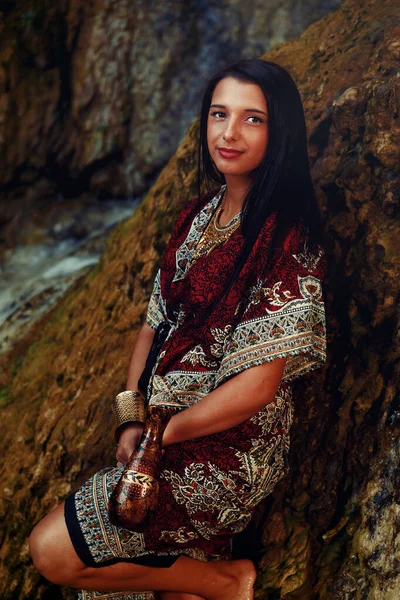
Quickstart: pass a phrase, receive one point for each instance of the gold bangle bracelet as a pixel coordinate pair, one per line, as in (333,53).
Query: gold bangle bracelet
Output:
(128,406)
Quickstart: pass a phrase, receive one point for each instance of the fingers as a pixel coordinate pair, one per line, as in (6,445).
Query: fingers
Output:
(122,456)
(127,443)
(121,460)
(126,447)
(124,452)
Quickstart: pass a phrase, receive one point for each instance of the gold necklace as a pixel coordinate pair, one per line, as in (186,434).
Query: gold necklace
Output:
(214,234)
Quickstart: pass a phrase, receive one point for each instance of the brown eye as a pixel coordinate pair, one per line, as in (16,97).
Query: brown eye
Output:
(258,120)
(217,113)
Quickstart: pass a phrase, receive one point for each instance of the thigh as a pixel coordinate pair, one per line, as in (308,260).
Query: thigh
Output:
(176,596)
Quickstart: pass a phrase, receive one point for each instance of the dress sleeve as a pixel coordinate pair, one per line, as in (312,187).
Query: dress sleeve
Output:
(156,311)
(284,316)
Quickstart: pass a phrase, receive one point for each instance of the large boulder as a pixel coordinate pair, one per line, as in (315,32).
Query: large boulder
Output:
(331,529)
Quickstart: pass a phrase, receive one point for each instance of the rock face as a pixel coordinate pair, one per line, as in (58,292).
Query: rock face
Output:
(96,96)
(331,529)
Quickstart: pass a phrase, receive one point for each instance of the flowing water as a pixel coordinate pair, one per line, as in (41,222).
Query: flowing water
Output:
(34,277)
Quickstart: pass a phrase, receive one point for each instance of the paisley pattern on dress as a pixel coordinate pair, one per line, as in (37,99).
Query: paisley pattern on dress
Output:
(197,356)
(210,486)
(156,311)
(184,253)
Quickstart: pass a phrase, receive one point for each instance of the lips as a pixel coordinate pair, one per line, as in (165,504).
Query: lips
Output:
(228,153)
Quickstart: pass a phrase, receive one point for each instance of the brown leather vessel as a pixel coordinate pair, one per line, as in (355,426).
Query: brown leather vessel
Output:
(135,496)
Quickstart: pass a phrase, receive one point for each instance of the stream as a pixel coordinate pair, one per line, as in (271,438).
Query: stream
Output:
(33,277)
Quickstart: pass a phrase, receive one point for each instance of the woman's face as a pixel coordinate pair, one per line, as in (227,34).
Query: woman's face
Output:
(237,121)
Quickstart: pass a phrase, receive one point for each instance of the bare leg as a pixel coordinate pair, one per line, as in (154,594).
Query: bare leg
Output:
(176,596)
(55,557)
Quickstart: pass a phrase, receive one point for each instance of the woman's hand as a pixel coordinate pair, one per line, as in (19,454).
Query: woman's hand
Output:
(128,441)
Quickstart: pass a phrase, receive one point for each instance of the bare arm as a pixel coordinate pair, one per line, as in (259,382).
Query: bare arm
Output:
(139,355)
(228,405)
(131,433)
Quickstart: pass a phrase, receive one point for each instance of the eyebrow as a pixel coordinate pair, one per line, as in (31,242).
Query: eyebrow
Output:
(253,110)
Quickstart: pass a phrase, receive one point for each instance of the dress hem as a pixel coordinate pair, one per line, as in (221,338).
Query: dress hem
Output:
(83,552)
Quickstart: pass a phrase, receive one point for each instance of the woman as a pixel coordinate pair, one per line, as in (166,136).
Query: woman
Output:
(240,288)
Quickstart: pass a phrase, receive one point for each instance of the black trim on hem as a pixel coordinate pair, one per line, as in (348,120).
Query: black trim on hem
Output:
(82,549)
(75,532)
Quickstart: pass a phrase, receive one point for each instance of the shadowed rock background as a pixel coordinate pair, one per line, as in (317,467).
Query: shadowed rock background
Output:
(331,530)
(95,96)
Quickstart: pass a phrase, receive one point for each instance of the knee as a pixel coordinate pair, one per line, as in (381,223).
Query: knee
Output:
(41,551)
(37,549)
(46,555)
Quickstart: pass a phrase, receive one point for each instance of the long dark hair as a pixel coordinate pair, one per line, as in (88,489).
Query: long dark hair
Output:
(282,181)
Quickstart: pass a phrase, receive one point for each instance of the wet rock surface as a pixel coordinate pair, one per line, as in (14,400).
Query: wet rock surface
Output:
(60,246)
(331,529)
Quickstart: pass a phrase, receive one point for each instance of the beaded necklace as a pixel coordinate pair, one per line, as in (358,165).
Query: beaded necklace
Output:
(214,234)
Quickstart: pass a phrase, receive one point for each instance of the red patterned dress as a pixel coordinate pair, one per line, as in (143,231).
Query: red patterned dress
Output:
(210,486)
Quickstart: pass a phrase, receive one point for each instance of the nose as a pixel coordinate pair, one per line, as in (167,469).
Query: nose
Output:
(231,131)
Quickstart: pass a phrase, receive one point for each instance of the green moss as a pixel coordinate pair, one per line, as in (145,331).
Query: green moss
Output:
(332,557)
(32,350)
(60,313)
(121,232)
(57,315)
(4,396)
(17,365)
(101,127)
(27,19)
(94,272)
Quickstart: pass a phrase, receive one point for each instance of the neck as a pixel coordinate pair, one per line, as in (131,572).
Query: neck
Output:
(234,196)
